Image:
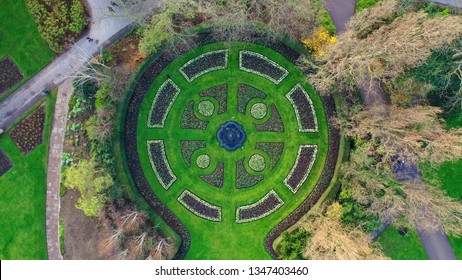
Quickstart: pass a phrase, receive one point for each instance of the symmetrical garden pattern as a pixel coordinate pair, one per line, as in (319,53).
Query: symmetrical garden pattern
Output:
(228,140)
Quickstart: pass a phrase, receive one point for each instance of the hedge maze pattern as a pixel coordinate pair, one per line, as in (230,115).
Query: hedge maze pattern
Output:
(206,65)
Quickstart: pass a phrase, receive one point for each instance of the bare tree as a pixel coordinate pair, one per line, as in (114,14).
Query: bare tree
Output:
(374,49)
(122,255)
(455,99)
(330,240)
(133,219)
(93,69)
(163,249)
(137,245)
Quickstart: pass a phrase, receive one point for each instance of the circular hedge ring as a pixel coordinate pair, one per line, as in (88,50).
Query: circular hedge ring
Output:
(164,130)
(203,161)
(257,162)
(258,110)
(206,108)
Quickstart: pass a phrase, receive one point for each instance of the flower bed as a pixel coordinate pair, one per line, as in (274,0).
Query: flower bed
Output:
(258,111)
(203,161)
(204,63)
(162,104)
(160,164)
(220,93)
(257,162)
(273,150)
(306,157)
(304,109)
(260,209)
(189,119)
(5,163)
(206,108)
(200,207)
(10,74)
(188,147)
(273,124)
(262,66)
(28,134)
(245,179)
(216,178)
(245,93)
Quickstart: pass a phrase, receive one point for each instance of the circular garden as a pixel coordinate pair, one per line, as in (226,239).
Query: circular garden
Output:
(229,144)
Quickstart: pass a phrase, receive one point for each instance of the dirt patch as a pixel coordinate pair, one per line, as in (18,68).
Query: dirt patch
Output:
(5,163)
(81,233)
(28,134)
(125,52)
(10,74)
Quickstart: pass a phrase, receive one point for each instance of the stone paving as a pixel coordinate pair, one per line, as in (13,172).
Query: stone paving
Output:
(54,169)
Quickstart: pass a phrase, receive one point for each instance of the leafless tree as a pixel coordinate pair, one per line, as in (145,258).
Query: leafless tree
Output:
(163,249)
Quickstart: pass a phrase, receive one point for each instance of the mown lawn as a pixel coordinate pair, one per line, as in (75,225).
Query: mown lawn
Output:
(20,39)
(397,247)
(450,174)
(23,198)
(227,239)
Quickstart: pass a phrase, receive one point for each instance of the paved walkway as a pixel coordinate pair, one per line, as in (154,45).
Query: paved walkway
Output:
(105,31)
(436,243)
(454,3)
(54,169)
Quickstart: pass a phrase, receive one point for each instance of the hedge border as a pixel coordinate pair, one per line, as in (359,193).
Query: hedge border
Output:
(208,70)
(241,67)
(253,205)
(200,200)
(169,107)
(297,113)
(297,161)
(165,159)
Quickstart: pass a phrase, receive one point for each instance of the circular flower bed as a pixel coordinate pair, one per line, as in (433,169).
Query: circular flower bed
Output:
(257,162)
(206,108)
(203,161)
(258,110)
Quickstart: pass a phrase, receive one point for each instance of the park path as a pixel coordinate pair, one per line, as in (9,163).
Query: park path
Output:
(54,169)
(104,29)
(436,243)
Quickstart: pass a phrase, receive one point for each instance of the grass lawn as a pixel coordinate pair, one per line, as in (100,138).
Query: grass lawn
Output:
(450,174)
(364,4)
(399,247)
(20,39)
(23,197)
(228,239)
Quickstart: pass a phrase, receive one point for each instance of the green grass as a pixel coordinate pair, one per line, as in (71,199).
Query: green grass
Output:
(451,181)
(23,197)
(20,39)
(397,247)
(226,239)
(364,4)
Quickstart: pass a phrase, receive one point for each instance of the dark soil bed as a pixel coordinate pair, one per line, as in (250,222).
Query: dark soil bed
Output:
(5,163)
(28,134)
(10,74)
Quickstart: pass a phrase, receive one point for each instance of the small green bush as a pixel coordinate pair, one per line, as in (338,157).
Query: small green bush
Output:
(293,244)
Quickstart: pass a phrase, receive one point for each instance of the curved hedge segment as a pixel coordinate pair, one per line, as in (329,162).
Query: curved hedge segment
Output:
(162,103)
(305,159)
(217,177)
(260,65)
(200,207)
(260,209)
(304,109)
(159,163)
(204,64)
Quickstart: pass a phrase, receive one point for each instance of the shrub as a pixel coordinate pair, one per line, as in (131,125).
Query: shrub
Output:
(320,39)
(293,244)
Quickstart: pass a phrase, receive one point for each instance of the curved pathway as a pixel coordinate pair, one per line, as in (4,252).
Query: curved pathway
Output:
(436,243)
(104,29)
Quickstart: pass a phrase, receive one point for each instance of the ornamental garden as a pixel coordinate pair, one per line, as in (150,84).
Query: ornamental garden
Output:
(229,144)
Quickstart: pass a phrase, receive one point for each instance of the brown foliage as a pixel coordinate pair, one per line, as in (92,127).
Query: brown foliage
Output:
(330,240)
(414,133)
(376,49)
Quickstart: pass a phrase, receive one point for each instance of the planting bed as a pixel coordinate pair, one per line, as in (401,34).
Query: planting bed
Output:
(10,74)
(28,134)
(5,163)
(235,180)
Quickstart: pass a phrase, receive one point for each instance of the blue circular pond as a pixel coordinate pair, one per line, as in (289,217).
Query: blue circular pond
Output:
(231,136)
